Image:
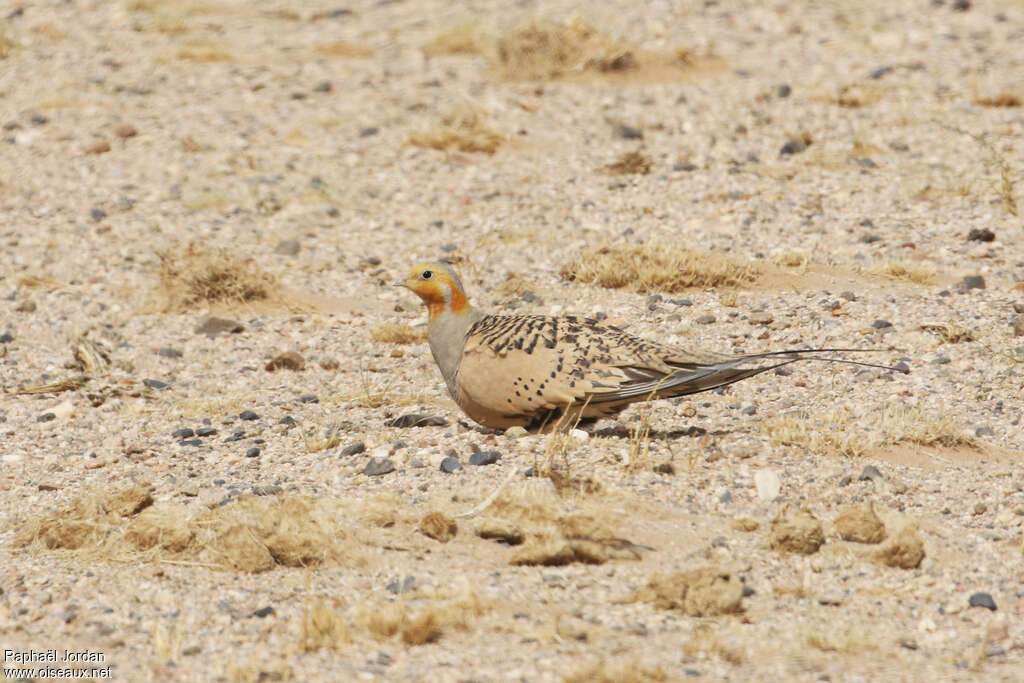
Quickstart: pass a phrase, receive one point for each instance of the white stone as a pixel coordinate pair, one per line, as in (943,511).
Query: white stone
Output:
(579,435)
(64,409)
(768,484)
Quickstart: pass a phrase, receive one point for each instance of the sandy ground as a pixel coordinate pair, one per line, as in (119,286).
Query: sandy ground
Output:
(132,129)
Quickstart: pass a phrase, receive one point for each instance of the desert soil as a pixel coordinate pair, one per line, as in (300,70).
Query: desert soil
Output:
(865,157)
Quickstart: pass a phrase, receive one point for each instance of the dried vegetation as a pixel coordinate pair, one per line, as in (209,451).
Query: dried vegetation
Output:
(198,277)
(648,268)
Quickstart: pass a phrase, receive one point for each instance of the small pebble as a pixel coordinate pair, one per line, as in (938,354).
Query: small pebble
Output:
(982,600)
(191,442)
(705,319)
(155,384)
(353,448)
(289,360)
(378,466)
(252,452)
(6,338)
(870,473)
(97,214)
(406,585)
(981,235)
(1018,326)
(971,282)
(248,415)
(630,132)
(287,420)
(793,147)
(516,432)
(308,398)
(881,324)
(237,436)
(206,431)
(783,91)
(46,417)
(417,420)
(984,430)
(168,352)
(214,325)
(183,433)
(263,612)
(368,132)
(450,465)
(288,248)
(768,484)
(484,458)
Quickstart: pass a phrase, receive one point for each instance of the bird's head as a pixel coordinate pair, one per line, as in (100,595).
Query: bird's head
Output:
(439,286)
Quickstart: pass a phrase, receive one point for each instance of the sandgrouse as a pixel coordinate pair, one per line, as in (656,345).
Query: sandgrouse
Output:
(531,370)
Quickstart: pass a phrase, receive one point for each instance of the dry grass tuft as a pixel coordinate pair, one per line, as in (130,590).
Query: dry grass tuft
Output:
(547,530)
(460,39)
(847,641)
(705,592)
(657,268)
(343,48)
(7,44)
(323,627)
(630,163)
(249,534)
(397,333)
(512,286)
(919,273)
(616,672)
(840,433)
(199,276)
(704,641)
(316,440)
(423,619)
(465,130)
(546,50)
(851,96)
(438,526)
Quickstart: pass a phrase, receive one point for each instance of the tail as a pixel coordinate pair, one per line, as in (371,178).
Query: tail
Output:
(694,378)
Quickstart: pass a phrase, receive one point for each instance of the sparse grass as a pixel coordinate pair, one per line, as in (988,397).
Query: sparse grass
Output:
(204,52)
(918,273)
(649,268)
(199,276)
(343,48)
(247,534)
(545,50)
(704,640)
(1007,182)
(397,333)
(791,259)
(616,672)
(7,43)
(317,440)
(465,130)
(167,647)
(323,626)
(422,619)
(547,530)
(629,163)
(460,39)
(847,641)
(512,286)
(840,433)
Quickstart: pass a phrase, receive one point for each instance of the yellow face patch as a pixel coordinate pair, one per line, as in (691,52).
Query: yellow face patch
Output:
(433,283)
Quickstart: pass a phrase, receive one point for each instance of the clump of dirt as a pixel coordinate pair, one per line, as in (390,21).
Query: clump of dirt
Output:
(796,531)
(1003,99)
(860,524)
(511,286)
(250,534)
(86,522)
(904,551)
(950,333)
(465,130)
(199,276)
(745,524)
(706,592)
(646,268)
(397,333)
(629,163)
(289,360)
(545,530)
(438,526)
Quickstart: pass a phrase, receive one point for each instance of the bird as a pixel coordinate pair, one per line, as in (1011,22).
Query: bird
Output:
(541,371)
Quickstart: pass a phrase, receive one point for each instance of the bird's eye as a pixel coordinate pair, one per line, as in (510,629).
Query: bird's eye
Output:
(426,275)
